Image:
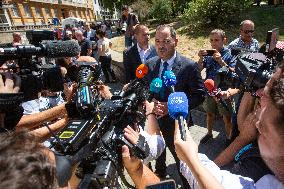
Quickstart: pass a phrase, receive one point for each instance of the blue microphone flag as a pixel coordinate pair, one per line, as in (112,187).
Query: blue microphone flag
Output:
(169,78)
(156,85)
(178,105)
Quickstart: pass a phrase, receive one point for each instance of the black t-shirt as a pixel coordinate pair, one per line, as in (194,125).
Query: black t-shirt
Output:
(85,44)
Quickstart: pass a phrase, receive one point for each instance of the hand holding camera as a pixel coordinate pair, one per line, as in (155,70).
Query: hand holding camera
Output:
(9,83)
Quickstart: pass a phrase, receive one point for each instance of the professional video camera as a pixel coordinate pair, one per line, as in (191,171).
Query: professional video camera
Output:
(252,70)
(27,60)
(96,141)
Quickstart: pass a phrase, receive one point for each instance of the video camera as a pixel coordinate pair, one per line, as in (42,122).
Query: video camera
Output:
(252,70)
(30,62)
(96,140)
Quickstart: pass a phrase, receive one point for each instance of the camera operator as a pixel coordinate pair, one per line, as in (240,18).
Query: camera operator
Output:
(212,63)
(25,163)
(265,124)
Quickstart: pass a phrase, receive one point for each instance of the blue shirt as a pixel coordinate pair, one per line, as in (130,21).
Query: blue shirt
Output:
(239,43)
(212,66)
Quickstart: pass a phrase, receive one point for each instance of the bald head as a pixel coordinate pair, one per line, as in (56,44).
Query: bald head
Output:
(247,31)
(79,35)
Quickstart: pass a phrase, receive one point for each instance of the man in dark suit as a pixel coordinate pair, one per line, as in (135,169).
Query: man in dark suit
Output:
(188,81)
(138,53)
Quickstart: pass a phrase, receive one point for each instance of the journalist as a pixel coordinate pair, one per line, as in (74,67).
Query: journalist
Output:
(212,63)
(266,123)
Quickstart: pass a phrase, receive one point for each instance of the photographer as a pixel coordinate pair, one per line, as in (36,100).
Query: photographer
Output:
(220,57)
(267,121)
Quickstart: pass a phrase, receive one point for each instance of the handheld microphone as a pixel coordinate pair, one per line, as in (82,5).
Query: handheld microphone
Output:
(170,80)
(155,87)
(141,71)
(178,109)
(214,92)
(50,49)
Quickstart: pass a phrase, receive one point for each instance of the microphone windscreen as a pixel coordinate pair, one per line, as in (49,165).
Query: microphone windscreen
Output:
(209,84)
(141,71)
(68,48)
(156,85)
(169,78)
(178,105)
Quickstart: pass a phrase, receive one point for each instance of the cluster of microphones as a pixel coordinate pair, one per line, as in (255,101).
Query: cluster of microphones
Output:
(178,103)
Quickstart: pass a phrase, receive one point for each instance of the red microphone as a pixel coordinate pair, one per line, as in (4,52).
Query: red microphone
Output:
(214,92)
(141,71)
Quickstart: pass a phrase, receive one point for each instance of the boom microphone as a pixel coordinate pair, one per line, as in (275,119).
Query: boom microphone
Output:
(170,80)
(214,92)
(50,49)
(178,109)
(155,87)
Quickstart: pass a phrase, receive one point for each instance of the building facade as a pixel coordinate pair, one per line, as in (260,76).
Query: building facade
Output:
(41,12)
(103,13)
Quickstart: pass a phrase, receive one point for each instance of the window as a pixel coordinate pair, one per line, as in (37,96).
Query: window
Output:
(38,11)
(27,10)
(15,11)
(47,11)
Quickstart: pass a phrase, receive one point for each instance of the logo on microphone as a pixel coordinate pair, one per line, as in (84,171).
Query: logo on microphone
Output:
(177,100)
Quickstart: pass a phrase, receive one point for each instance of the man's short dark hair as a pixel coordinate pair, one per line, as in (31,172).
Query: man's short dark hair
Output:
(138,27)
(125,8)
(24,163)
(172,30)
(219,32)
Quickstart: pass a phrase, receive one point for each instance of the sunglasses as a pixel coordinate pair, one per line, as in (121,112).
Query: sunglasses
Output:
(248,31)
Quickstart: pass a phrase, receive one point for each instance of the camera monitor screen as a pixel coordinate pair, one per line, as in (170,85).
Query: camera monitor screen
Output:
(271,39)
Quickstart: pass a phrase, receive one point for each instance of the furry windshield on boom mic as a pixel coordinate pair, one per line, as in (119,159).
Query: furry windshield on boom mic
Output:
(141,71)
(68,48)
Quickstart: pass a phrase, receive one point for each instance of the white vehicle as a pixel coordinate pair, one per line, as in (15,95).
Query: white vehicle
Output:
(72,21)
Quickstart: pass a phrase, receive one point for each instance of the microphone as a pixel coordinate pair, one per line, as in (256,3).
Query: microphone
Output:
(155,87)
(214,92)
(170,80)
(50,49)
(140,73)
(178,109)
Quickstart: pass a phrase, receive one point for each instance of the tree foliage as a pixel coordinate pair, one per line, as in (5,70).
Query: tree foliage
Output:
(161,10)
(216,13)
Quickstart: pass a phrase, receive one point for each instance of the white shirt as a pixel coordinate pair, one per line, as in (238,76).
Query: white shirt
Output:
(156,145)
(229,180)
(170,64)
(143,53)
(104,44)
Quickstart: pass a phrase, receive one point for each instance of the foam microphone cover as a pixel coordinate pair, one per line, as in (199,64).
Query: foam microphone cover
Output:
(141,71)
(209,84)
(68,48)
(156,85)
(178,105)
(169,78)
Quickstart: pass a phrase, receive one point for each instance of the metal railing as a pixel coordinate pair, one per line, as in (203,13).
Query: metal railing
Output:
(25,27)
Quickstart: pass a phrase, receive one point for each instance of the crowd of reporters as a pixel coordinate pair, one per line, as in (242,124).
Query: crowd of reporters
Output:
(253,158)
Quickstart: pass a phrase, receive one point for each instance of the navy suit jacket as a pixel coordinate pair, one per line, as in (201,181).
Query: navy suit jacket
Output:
(188,77)
(131,60)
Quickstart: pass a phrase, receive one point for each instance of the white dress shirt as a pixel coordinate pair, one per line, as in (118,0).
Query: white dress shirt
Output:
(143,53)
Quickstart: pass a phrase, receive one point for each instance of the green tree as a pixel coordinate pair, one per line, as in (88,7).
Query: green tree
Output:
(215,13)
(161,10)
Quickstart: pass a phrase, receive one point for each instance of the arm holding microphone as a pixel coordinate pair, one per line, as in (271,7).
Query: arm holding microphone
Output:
(191,166)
